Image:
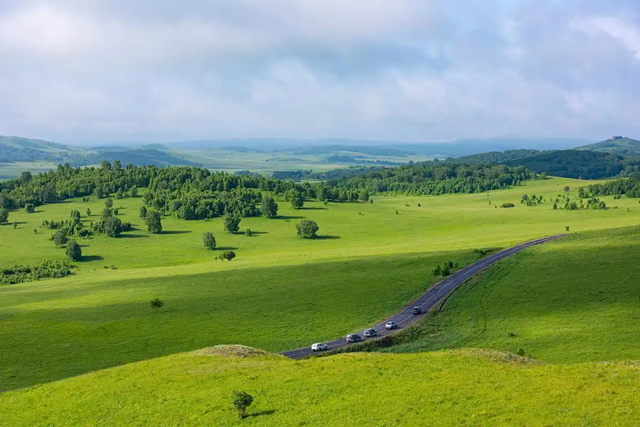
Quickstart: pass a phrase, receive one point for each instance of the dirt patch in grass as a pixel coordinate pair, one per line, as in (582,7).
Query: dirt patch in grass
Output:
(240,351)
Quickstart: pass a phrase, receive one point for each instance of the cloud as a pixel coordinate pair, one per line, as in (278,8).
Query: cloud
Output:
(117,71)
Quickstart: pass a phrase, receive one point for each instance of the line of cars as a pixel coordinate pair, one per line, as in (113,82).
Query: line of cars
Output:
(368,333)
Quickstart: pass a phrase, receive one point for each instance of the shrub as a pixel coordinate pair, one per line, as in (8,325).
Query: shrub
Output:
(45,270)
(507,205)
(29,207)
(143,212)
(520,352)
(307,229)
(4,215)
(247,232)
(228,255)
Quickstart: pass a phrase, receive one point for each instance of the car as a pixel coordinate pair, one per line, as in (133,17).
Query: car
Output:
(391,325)
(370,333)
(354,338)
(417,310)
(319,346)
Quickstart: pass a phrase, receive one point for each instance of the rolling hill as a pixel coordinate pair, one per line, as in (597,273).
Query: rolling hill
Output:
(617,145)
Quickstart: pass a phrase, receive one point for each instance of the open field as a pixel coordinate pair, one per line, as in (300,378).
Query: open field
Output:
(452,388)
(575,300)
(282,292)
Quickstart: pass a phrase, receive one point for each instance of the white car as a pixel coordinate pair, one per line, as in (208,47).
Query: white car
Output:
(319,346)
(391,325)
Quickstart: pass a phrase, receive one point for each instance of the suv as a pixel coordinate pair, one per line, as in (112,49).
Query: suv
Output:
(370,333)
(417,310)
(391,325)
(354,338)
(319,346)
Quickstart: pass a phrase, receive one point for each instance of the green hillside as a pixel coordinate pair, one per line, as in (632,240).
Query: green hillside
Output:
(453,388)
(617,145)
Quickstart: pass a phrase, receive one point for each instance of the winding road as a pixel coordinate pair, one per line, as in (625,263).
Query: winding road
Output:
(429,299)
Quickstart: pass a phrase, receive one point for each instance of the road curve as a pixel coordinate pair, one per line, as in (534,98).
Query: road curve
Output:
(429,299)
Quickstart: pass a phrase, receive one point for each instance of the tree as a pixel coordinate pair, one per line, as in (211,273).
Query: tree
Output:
(105,164)
(133,192)
(296,198)
(108,203)
(555,206)
(29,208)
(15,225)
(117,165)
(241,401)
(112,226)
(4,215)
(73,251)
(119,194)
(567,188)
(143,212)
(107,213)
(209,240)
(307,229)
(156,304)
(248,232)
(269,207)
(232,223)
(154,222)
(60,238)
(88,212)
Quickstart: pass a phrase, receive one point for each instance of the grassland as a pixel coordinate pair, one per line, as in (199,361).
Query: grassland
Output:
(575,300)
(452,388)
(280,293)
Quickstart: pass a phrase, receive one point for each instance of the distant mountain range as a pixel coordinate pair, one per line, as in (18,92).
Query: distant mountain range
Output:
(288,154)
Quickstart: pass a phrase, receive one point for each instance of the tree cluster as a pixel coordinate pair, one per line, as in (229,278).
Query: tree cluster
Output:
(25,273)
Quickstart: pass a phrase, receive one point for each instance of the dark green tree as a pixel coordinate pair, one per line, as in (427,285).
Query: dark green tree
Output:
(154,221)
(73,251)
(133,191)
(112,226)
(29,208)
(143,212)
(248,232)
(209,240)
(119,194)
(296,198)
(108,203)
(60,238)
(107,213)
(241,401)
(4,215)
(156,304)
(232,223)
(307,229)
(88,212)
(269,207)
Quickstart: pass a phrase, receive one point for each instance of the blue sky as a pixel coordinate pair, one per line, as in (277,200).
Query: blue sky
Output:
(116,71)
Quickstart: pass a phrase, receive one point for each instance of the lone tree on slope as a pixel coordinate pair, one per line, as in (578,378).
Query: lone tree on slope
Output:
(73,251)
(241,401)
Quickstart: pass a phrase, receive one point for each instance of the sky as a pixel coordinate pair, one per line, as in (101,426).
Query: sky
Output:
(96,71)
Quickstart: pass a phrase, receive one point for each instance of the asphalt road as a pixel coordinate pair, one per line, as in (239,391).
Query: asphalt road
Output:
(429,299)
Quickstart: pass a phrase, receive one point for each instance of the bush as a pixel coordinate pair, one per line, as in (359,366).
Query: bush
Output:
(143,212)
(73,251)
(228,255)
(29,208)
(520,352)
(4,215)
(209,240)
(248,233)
(307,229)
(45,270)
(507,205)
(156,304)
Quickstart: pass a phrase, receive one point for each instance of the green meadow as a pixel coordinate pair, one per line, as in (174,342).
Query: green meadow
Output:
(281,292)
(452,388)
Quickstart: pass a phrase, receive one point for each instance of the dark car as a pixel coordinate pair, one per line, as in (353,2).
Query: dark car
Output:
(370,333)
(354,338)
(416,310)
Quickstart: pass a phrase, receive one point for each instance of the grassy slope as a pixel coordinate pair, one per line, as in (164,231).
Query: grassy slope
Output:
(575,300)
(467,387)
(282,292)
